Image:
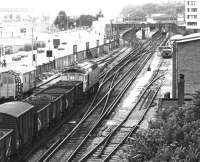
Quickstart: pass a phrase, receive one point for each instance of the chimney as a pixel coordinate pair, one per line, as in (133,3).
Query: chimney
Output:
(181,90)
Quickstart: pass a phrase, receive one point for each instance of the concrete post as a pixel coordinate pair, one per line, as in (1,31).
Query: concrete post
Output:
(75,53)
(88,53)
(97,44)
(87,45)
(143,33)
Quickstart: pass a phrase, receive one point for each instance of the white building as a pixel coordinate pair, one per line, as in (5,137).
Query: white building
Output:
(19,22)
(192,14)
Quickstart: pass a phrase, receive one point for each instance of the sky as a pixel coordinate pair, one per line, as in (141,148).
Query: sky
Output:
(110,8)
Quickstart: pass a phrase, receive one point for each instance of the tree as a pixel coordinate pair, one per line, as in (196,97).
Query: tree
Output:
(174,136)
(150,8)
(61,21)
(100,14)
(85,20)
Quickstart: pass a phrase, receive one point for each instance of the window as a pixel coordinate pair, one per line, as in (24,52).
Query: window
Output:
(192,23)
(193,9)
(74,76)
(192,16)
(10,80)
(191,3)
(4,80)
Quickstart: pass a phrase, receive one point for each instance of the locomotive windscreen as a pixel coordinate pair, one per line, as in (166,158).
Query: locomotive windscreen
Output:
(74,70)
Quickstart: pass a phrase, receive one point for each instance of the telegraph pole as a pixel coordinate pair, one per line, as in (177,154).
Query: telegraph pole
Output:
(0,53)
(32,46)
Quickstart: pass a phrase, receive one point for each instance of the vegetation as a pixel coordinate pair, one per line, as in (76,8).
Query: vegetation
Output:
(63,22)
(174,136)
(150,8)
(38,44)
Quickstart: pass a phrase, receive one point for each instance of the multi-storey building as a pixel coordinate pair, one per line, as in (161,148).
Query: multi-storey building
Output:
(192,14)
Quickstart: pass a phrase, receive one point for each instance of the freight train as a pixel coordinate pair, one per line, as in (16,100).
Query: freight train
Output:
(14,83)
(21,80)
(25,120)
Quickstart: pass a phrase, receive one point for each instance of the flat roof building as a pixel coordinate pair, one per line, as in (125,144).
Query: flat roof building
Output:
(192,14)
(186,59)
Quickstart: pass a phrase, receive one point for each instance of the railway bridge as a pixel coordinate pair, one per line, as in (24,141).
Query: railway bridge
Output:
(127,31)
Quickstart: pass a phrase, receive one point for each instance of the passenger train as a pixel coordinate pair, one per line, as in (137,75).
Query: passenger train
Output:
(25,120)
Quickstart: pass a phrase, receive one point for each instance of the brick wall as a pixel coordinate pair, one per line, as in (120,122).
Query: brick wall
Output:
(188,64)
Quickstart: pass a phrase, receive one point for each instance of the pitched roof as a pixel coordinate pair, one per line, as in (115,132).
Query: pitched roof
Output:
(188,38)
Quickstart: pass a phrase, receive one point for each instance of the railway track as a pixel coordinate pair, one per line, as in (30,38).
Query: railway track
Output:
(86,126)
(56,77)
(71,158)
(117,135)
(49,136)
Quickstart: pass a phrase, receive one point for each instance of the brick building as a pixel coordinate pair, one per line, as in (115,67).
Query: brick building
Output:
(186,61)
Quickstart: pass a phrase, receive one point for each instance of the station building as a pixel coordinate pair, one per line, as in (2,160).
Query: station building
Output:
(186,62)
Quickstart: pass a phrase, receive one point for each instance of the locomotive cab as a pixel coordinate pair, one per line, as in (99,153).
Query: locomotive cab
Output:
(27,75)
(15,82)
(86,72)
(166,52)
(10,84)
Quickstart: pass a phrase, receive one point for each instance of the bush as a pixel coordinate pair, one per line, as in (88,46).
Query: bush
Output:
(27,47)
(175,136)
(21,49)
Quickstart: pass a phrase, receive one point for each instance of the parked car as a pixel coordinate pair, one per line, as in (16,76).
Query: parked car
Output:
(64,43)
(16,58)
(40,50)
(61,47)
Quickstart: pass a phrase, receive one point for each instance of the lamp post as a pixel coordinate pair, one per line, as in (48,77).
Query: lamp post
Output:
(1,51)
(32,46)
(34,55)
(4,57)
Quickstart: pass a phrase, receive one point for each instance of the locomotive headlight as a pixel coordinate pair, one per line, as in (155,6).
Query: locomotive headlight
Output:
(90,69)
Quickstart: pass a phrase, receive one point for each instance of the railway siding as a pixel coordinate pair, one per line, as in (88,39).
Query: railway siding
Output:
(115,118)
(123,109)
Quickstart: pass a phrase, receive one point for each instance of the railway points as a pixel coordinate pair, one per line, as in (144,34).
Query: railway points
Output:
(85,88)
(115,92)
(105,109)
